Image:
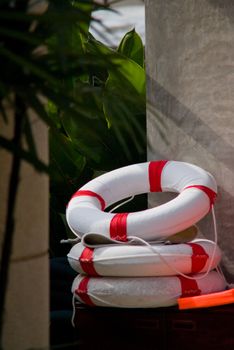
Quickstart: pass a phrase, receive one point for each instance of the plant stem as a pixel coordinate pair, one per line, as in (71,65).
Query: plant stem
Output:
(11,202)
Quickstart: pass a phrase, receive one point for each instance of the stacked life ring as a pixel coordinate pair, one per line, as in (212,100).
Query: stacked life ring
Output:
(197,191)
(124,265)
(130,260)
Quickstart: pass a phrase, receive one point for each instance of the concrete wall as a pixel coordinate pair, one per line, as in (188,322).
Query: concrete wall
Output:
(190,68)
(27,304)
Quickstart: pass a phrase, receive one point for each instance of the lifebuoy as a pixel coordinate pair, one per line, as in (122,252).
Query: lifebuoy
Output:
(137,292)
(196,190)
(136,260)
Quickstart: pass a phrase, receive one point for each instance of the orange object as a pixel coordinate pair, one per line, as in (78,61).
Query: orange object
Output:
(207,300)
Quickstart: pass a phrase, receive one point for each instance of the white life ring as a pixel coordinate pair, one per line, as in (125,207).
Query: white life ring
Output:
(140,261)
(197,190)
(137,292)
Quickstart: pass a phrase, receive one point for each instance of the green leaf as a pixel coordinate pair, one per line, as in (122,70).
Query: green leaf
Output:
(85,9)
(66,163)
(127,124)
(52,111)
(132,47)
(132,73)
(123,70)
(88,135)
(123,99)
(83,105)
(124,106)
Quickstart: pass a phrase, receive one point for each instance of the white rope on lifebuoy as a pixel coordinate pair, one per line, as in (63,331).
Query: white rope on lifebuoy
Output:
(140,261)
(137,292)
(196,190)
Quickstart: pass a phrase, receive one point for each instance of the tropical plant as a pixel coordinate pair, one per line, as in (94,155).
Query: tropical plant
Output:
(91,97)
(114,135)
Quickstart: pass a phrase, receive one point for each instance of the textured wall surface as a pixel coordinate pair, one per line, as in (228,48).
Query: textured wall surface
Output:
(190,68)
(26,323)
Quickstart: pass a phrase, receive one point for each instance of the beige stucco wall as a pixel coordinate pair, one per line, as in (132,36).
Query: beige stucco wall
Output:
(27,304)
(190,86)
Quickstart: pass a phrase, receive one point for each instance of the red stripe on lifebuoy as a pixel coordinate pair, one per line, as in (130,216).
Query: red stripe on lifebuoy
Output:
(118,227)
(155,171)
(189,288)
(199,257)
(91,194)
(208,191)
(86,262)
(82,291)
